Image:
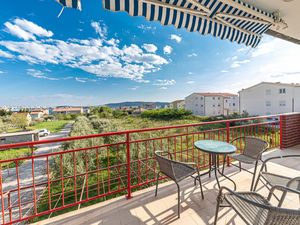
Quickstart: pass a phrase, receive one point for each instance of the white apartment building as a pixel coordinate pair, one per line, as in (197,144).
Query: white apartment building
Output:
(268,98)
(178,104)
(212,104)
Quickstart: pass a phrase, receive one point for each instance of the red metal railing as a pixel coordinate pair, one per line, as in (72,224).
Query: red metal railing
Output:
(88,169)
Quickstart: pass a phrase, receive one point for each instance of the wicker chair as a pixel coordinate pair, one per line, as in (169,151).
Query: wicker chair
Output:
(176,171)
(255,209)
(272,179)
(251,154)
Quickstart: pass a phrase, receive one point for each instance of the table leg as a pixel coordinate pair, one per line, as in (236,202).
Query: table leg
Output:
(209,164)
(214,159)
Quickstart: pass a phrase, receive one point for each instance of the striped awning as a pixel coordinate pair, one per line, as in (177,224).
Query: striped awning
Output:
(76,4)
(233,20)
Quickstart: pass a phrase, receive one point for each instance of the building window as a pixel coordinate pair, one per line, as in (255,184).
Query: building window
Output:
(201,105)
(219,105)
(201,98)
(213,98)
(268,103)
(282,103)
(196,105)
(226,100)
(213,105)
(268,92)
(218,98)
(196,98)
(282,91)
(233,104)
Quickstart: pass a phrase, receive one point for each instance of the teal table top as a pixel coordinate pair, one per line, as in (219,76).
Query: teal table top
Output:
(217,147)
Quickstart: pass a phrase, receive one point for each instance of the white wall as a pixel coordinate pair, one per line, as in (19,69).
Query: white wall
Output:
(195,103)
(211,105)
(265,99)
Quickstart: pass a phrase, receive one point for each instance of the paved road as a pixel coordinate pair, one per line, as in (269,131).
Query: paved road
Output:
(25,177)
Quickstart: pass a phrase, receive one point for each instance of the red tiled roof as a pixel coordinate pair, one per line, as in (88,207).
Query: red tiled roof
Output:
(212,94)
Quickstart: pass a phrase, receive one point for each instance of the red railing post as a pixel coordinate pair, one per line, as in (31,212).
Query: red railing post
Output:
(128,166)
(280,132)
(228,138)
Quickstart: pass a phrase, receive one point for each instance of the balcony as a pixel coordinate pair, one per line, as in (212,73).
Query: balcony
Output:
(144,208)
(102,169)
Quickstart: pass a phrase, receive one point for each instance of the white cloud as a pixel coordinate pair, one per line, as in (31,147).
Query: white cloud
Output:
(133,88)
(33,28)
(5,54)
(192,55)
(190,82)
(1,72)
(150,48)
(224,71)
(39,74)
(100,28)
(99,56)
(190,73)
(26,30)
(168,50)
(176,38)
(164,82)
(80,80)
(145,28)
(163,88)
(236,64)
(264,48)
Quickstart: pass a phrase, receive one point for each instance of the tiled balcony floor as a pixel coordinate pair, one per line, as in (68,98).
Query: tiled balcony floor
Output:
(144,208)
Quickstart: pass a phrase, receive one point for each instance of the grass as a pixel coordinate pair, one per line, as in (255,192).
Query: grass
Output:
(53,126)
(13,154)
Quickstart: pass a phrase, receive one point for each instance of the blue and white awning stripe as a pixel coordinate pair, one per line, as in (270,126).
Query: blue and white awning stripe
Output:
(233,20)
(75,4)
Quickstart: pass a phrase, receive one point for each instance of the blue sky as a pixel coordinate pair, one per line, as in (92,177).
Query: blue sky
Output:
(94,56)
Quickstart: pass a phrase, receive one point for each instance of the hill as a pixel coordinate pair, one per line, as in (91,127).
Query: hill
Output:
(135,104)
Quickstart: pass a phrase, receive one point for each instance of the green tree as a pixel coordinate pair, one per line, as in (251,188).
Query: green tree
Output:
(19,120)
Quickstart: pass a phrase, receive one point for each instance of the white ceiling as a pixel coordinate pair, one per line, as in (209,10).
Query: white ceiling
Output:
(289,11)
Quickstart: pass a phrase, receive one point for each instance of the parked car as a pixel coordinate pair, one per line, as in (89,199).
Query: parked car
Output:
(44,132)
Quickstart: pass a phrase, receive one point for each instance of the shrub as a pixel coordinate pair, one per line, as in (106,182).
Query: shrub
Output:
(166,114)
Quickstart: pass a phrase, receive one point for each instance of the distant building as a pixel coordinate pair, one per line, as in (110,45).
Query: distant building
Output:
(148,106)
(86,109)
(16,137)
(212,104)
(38,113)
(267,98)
(67,110)
(178,104)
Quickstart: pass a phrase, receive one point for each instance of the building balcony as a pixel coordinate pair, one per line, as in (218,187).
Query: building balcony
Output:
(110,176)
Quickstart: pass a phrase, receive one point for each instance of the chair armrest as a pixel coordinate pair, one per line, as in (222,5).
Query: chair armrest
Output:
(237,194)
(293,180)
(235,139)
(281,188)
(277,157)
(162,153)
(185,164)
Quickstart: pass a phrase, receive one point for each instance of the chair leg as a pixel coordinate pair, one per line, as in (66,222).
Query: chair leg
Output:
(258,177)
(178,190)
(199,179)
(282,198)
(217,209)
(254,175)
(240,165)
(157,176)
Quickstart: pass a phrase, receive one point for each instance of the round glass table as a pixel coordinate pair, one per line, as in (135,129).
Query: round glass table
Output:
(214,149)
